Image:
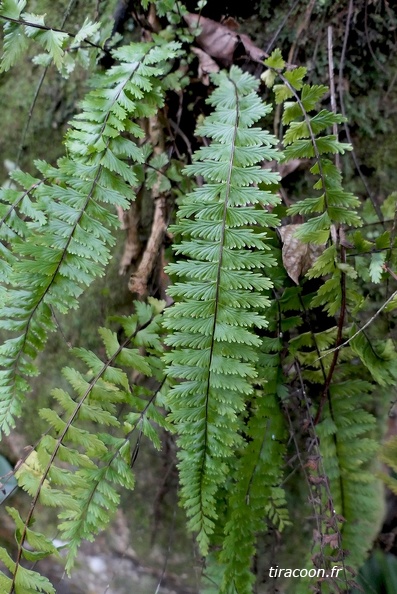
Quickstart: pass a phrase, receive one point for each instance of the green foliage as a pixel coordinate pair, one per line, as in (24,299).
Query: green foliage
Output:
(347,443)
(67,243)
(257,496)
(20,27)
(220,295)
(80,463)
(251,356)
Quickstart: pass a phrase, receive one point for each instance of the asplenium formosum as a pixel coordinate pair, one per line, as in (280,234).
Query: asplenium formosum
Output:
(86,455)
(251,353)
(65,244)
(221,291)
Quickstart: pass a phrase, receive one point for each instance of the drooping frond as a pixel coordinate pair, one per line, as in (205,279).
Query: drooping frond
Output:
(65,244)
(341,389)
(256,498)
(87,455)
(347,448)
(221,294)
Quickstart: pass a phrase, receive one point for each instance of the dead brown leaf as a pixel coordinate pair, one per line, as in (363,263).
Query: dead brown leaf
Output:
(255,53)
(312,463)
(220,42)
(298,257)
(332,540)
(316,480)
(206,65)
(231,23)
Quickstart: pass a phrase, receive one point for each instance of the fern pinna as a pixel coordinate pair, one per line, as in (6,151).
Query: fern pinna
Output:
(222,296)
(58,229)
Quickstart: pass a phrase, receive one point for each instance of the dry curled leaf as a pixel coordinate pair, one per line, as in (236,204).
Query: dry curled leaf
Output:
(317,480)
(332,540)
(312,463)
(206,65)
(221,42)
(230,23)
(298,257)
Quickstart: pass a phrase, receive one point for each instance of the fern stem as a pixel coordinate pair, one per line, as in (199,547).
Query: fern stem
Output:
(312,135)
(342,314)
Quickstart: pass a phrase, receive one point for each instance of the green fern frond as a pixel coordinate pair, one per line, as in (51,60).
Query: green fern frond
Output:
(348,450)
(61,252)
(61,48)
(79,466)
(255,496)
(221,294)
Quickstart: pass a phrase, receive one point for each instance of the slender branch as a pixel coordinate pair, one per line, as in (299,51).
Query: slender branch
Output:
(393,274)
(280,28)
(385,304)
(332,86)
(343,111)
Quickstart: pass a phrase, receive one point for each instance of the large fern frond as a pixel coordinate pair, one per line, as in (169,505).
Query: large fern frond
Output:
(221,296)
(87,453)
(66,243)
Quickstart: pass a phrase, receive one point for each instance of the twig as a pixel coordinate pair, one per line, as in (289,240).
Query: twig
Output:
(132,245)
(332,85)
(386,303)
(280,27)
(343,110)
(58,325)
(139,280)
(301,27)
(371,51)
(393,274)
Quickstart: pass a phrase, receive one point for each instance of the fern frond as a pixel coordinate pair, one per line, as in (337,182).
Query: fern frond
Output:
(221,295)
(348,450)
(81,463)
(256,497)
(62,252)
(20,27)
